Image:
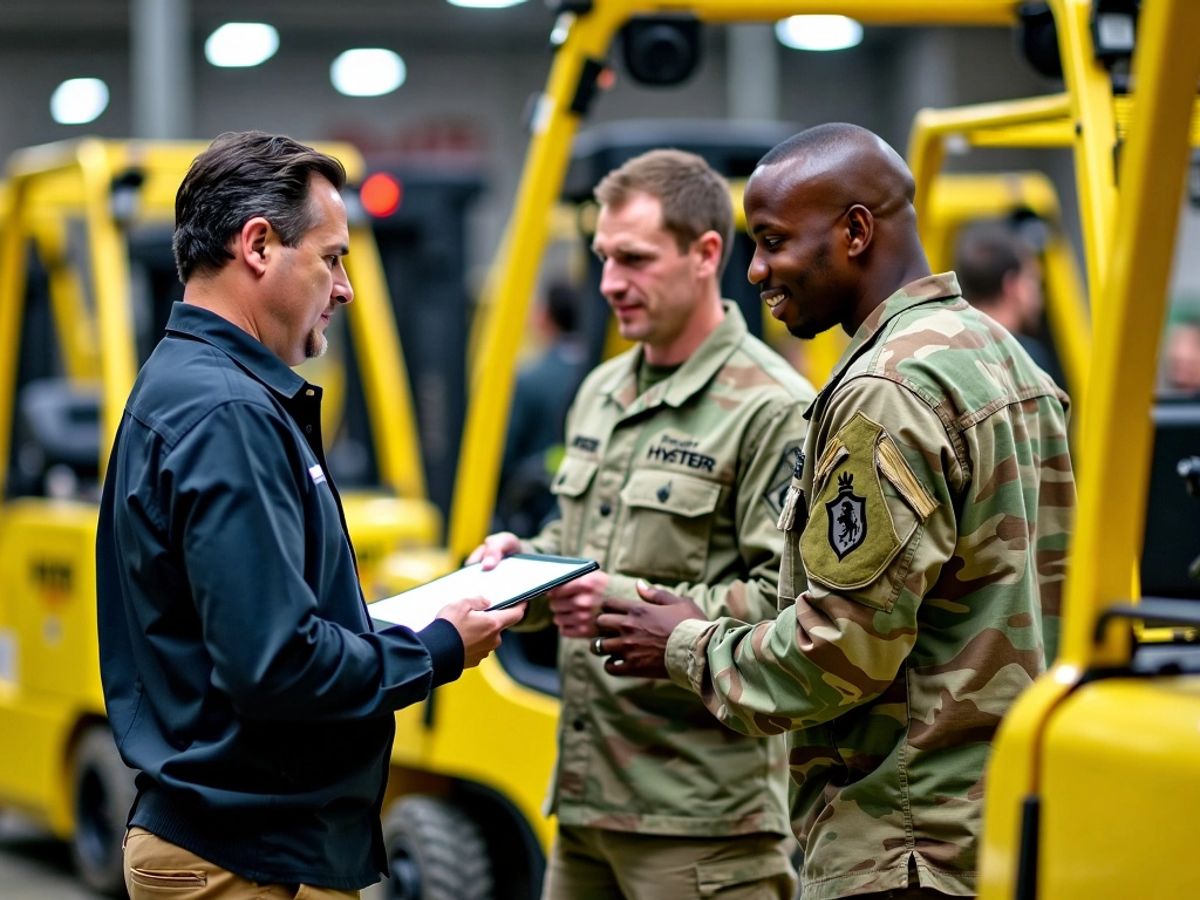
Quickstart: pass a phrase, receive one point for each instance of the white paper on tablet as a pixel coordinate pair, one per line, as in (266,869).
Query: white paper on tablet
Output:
(515,578)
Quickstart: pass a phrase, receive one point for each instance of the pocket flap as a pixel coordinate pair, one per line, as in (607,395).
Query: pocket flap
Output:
(573,476)
(670,492)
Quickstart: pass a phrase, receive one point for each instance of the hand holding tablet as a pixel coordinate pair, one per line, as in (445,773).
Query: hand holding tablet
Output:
(514,579)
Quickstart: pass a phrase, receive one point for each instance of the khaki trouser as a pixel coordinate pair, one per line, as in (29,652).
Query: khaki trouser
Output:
(601,864)
(156,869)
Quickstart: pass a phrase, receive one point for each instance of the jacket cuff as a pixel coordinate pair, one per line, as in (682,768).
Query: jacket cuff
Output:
(686,656)
(446,653)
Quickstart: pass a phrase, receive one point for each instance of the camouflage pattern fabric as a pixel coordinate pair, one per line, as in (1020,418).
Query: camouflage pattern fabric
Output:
(681,486)
(937,495)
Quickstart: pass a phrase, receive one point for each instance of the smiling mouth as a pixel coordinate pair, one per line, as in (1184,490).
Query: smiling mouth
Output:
(773,299)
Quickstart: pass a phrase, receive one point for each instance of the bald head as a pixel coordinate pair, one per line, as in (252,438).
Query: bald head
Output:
(842,164)
(831,212)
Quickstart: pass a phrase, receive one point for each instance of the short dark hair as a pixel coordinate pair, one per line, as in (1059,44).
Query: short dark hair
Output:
(239,176)
(562,305)
(985,254)
(694,198)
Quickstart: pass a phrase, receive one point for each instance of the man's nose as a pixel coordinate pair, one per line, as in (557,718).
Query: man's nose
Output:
(343,292)
(612,282)
(757,273)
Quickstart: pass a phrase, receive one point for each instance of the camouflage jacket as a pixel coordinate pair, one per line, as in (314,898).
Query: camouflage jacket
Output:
(680,486)
(930,523)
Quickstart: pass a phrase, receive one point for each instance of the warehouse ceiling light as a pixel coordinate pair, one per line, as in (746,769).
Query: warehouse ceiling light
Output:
(367,72)
(485,4)
(78,101)
(241,44)
(819,32)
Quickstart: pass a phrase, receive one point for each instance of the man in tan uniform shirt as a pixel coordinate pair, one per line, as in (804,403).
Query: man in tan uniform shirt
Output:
(678,454)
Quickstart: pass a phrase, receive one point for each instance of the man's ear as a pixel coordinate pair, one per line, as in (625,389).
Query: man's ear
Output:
(709,248)
(860,230)
(254,243)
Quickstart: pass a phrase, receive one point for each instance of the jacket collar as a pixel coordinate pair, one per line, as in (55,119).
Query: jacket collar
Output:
(260,363)
(930,289)
(689,379)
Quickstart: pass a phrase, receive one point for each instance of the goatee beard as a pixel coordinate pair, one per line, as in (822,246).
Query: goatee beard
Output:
(316,345)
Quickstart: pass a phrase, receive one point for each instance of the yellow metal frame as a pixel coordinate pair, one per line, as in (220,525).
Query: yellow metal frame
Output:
(1112,487)
(952,201)
(50,184)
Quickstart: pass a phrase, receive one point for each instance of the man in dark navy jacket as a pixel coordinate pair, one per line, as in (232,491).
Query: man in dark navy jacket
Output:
(242,675)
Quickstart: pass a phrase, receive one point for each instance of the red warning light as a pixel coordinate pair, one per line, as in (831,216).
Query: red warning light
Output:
(381,194)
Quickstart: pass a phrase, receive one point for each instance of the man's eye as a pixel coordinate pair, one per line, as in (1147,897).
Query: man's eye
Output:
(770,242)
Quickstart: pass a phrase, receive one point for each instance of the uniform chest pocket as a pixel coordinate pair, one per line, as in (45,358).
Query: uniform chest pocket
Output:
(570,486)
(665,526)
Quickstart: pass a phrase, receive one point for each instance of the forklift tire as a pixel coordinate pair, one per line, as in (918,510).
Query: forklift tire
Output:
(435,852)
(102,792)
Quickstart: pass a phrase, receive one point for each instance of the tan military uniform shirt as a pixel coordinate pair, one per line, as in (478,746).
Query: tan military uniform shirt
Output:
(931,524)
(682,487)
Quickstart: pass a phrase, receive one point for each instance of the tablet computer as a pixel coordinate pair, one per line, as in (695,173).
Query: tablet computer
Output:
(516,578)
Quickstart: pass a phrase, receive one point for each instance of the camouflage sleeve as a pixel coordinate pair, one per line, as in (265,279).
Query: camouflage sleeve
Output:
(881,525)
(764,471)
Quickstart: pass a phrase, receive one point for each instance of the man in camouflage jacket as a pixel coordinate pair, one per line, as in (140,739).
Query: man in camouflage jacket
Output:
(678,454)
(926,537)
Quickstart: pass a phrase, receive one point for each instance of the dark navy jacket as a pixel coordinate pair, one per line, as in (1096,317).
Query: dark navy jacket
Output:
(241,673)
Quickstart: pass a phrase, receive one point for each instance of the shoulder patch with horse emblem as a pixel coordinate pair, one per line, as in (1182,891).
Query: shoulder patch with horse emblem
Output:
(851,537)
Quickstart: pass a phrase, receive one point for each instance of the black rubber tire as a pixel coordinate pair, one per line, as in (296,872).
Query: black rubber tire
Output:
(102,792)
(435,852)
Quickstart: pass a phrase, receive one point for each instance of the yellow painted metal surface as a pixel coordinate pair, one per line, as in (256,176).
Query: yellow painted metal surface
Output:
(1121,787)
(490,730)
(48,620)
(1048,743)
(1128,323)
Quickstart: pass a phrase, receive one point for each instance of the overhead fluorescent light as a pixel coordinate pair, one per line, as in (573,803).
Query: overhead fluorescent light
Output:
(485,4)
(241,44)
(367,72)
(819,32)
(78,101)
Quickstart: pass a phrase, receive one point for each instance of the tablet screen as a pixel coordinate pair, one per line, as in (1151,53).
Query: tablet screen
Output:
(516,578)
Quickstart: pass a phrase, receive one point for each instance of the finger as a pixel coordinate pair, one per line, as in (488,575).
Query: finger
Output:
(506,618)
(616,665)
(618,605)
(565,591)
(655,595)
(611,623)
(597,645)
(476,555)
(477,602)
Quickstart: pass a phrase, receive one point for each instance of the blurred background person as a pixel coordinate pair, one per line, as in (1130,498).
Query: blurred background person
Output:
(999,273)
(1180,355)
(544,388)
